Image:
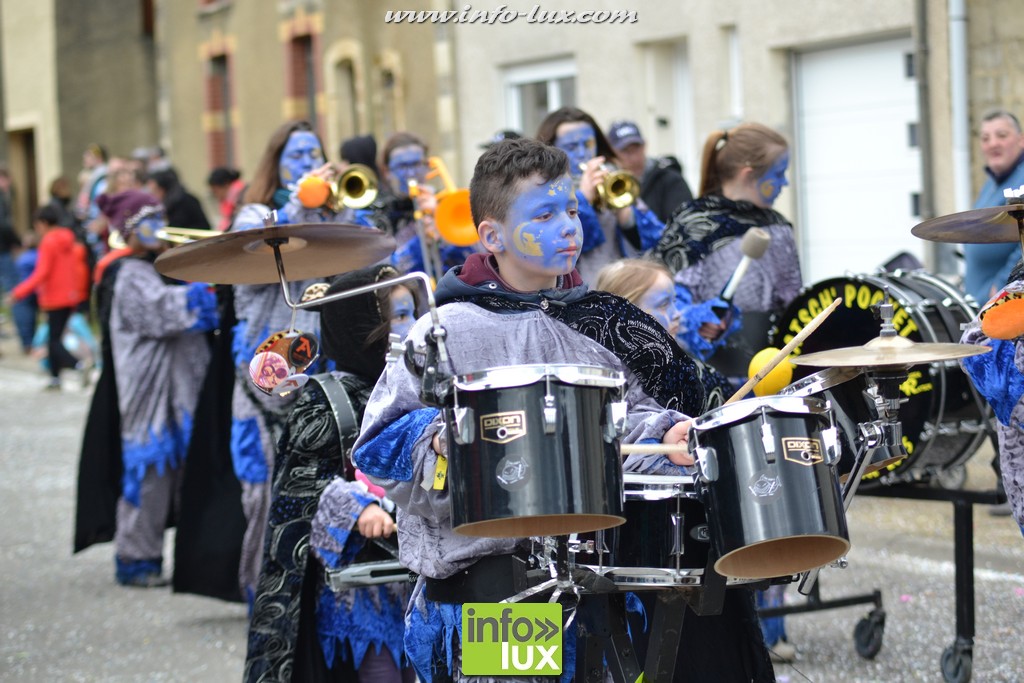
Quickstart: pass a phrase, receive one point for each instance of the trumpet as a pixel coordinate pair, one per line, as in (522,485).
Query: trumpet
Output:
(356,188)
(618,190)
(453,217)
(170,234)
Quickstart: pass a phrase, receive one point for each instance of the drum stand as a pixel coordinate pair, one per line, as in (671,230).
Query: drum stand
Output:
(881,439)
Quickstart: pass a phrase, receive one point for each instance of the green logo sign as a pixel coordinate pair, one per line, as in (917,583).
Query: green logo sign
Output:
(511,639)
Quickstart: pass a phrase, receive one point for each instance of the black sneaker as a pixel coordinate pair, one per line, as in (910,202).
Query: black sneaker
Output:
(53,385)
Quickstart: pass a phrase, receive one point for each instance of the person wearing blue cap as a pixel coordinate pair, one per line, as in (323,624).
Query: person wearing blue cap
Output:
(662,186)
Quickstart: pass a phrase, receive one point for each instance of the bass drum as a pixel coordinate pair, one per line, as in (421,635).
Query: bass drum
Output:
(944,418)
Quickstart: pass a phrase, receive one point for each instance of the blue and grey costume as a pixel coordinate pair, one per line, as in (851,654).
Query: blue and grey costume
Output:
(160,359)
(488,326)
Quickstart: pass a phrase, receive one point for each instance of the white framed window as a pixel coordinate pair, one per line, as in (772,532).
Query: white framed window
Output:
(533,90)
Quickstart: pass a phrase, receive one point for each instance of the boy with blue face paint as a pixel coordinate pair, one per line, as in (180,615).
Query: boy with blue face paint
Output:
(405,158)
(609,234)
(522,302)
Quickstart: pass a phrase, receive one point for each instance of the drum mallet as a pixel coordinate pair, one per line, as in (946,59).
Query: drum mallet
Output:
(786,350)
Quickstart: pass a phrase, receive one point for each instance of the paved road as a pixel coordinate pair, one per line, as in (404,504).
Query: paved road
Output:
(64,619)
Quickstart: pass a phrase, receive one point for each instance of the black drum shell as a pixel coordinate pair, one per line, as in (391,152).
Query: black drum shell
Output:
(775,516)
(943,416)
(571,478)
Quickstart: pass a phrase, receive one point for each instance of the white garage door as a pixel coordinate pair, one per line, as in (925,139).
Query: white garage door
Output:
(860,169)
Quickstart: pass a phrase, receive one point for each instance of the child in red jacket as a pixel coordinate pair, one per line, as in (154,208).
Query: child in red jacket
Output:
(60,281)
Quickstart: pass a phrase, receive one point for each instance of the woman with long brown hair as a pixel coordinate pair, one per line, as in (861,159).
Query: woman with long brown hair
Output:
(742,173)
(608,234)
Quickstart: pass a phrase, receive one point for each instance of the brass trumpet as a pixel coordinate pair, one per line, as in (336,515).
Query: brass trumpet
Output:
(170,234)
(356,188)
(618,190)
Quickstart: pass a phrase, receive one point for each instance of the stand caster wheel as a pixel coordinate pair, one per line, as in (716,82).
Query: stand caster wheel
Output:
(956,664)
(867,635)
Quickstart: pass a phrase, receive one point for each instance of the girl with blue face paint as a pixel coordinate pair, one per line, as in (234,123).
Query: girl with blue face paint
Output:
(743,172)
(323,514)
(607,234)
(293,151)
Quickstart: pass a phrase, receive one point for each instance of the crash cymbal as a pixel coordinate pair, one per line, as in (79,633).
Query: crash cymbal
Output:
(978,226)
(308,250)
(889,351)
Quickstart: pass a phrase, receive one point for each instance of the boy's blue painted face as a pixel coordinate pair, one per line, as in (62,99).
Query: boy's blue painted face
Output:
(403,311)
(579,143)
(301,154)
(660,303)
(771,183)
(405,164)
(543,230)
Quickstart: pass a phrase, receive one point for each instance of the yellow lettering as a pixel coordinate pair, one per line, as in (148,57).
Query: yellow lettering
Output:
(910,328)
(849,295)
(803,316)
(877,298)
(863,297)
(813,308)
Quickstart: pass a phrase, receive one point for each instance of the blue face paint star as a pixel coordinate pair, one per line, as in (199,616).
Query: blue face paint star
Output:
(403,311)
(578,141)
(771,183)
(405,164)
(659,301)
(301,154)
(542,230)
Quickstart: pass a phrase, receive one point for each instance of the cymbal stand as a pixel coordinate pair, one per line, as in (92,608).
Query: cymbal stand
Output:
(436,351)
(1015,198)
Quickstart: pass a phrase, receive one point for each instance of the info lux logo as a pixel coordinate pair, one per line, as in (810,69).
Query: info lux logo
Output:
(511,639)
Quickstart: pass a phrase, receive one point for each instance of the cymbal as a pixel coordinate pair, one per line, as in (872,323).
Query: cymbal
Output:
(889,351)
(309,250)
(978,226)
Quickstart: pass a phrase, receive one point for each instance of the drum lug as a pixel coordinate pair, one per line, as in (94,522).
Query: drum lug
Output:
(768,441)
(972,427)
(550,414)
(707,463)
(678,537)
(464,432)
(833,448)
(616,424)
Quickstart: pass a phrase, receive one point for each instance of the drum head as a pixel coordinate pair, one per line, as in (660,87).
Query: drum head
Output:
(782,556)
(539,525)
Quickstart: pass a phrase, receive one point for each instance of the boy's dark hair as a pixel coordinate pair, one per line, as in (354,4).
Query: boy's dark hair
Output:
(166,179)
(47,214)
(499,170)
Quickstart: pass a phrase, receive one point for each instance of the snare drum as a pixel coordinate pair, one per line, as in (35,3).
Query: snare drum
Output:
(533,450)
(766,475)
(944,418)
(664,541)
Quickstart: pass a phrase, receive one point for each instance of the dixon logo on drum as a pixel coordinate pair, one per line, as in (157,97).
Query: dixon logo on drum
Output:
(802,451)
(511,639)
(503,427)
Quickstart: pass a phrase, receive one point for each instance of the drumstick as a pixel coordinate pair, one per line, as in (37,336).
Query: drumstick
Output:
(786,350)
